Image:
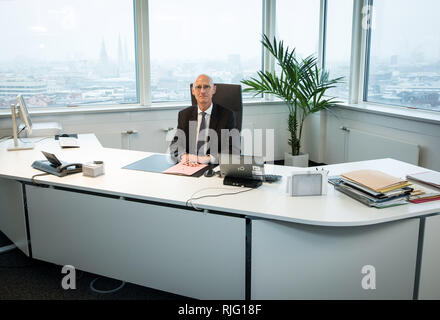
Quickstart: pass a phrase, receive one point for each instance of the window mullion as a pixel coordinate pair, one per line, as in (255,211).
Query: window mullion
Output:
(322,33)
(358,53)
(143,52)
(269,16)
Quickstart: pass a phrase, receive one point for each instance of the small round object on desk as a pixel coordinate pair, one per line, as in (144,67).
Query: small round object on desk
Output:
(209,173)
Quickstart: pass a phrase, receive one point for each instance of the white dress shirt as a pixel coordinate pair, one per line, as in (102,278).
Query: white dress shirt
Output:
(207,121)
(199,119)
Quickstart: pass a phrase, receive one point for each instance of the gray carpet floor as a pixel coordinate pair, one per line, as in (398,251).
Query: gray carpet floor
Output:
(22,278)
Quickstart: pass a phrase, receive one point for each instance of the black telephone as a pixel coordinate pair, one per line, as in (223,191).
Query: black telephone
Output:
(54,166)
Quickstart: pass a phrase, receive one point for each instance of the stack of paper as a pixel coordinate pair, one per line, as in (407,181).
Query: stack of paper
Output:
(375,180)
(185,170)
(373,188)
(422,194)
(431,178)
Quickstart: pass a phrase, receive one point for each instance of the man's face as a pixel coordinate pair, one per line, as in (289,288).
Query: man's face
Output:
(203,90)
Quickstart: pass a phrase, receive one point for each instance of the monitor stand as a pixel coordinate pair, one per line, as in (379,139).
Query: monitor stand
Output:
(17,145)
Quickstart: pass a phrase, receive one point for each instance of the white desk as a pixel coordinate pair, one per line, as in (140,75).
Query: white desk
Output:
(135,226)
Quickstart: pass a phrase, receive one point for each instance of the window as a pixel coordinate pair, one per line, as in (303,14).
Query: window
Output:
(60,53)
(189,37)
(297,24)
(404,67)
(77,52)
(338,44)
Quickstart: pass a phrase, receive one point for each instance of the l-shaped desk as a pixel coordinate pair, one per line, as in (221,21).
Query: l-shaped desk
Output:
(138,227)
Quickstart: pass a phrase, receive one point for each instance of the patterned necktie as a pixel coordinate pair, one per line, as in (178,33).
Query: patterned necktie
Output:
(201,140)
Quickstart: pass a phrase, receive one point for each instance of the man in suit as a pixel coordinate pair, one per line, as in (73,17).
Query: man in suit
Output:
(204,130)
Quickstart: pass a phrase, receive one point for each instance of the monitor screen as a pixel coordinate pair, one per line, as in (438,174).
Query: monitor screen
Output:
(24,114)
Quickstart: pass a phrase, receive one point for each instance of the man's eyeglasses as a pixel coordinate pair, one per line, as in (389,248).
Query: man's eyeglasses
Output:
(205,86)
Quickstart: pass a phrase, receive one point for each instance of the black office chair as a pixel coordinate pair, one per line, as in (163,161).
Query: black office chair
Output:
(228,96)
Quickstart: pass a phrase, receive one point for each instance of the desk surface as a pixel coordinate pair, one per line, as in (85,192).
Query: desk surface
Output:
(268,201)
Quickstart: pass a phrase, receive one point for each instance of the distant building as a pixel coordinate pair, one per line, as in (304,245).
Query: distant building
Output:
(25,86)
(105,68)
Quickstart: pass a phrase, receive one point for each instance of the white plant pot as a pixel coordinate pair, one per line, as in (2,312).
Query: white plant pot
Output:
(301,160)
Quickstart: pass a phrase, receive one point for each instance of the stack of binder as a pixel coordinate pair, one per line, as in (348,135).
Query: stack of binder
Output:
(422,194)
(430,178)
(373,188)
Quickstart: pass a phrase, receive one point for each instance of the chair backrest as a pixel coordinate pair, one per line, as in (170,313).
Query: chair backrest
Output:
(228,96)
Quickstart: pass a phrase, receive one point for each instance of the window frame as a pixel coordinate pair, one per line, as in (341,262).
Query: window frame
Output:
(358,78)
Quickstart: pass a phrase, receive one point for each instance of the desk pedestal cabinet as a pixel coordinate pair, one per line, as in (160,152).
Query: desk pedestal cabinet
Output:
(12,217)
(292,261)
(430,261)
(171,249)
(134,226)
(202,255)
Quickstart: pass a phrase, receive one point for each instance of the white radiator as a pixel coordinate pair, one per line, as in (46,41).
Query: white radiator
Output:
(360,145)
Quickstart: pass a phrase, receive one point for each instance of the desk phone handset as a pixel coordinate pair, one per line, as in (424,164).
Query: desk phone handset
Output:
(70,168)
(54,166)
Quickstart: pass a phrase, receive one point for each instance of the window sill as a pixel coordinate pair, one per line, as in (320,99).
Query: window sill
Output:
(124,108)
(395,111)
(392,111)
(96,109)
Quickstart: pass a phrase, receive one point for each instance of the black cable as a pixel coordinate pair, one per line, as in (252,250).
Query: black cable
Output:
(20,131)
(92,286)
(30,141)
(38,175)
(223,194)
(5,138)
(35,141)
(9,137)
(214,196)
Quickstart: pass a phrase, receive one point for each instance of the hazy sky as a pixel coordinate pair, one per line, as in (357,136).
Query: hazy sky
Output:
(60,29)
(411,27)
(191,29)
(297,23)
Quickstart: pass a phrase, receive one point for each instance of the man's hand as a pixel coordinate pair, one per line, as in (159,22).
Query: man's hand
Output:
(189,160)
(192,160)
(205,159)
(185,158)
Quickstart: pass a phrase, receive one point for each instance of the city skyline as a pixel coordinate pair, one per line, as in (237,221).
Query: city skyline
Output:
(109,82)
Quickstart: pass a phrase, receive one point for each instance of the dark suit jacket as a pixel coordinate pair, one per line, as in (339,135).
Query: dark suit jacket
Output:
(221,118)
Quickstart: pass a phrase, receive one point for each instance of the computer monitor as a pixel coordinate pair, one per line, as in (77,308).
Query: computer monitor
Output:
(24,114)
(25,117)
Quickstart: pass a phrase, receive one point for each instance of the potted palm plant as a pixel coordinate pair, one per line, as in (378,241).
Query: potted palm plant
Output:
(301,84)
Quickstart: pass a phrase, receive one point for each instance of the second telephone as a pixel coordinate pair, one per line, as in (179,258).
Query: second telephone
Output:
(54,166)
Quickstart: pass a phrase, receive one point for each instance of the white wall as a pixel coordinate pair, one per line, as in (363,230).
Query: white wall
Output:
(322,136)
(423,133)
(110,127)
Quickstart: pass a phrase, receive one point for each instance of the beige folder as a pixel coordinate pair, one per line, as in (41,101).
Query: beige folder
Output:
(375,180)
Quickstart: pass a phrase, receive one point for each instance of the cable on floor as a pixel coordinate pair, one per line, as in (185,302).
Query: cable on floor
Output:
(92,287)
